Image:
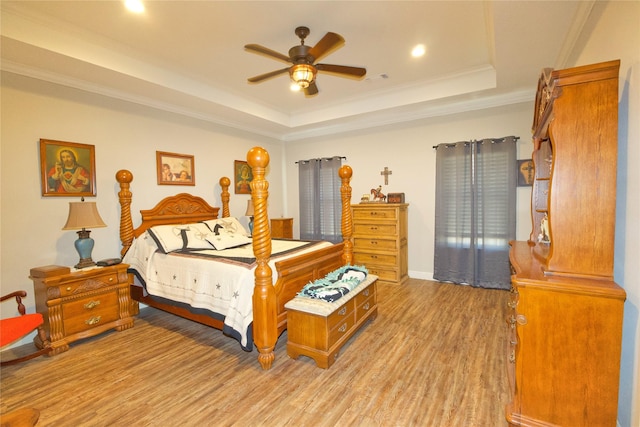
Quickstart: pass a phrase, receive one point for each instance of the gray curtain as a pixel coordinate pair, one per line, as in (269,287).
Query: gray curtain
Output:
(320,203)
(475,211)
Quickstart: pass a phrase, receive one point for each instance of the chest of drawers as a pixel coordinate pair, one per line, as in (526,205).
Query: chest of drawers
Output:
(380,235)
(81,304)
(318,329)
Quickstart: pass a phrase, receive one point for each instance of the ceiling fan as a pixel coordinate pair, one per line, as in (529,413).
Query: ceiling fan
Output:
(304,69)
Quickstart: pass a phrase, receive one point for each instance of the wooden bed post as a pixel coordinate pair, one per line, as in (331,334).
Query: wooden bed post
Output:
(265,316)
(345,173)
(224,196)
(124,178)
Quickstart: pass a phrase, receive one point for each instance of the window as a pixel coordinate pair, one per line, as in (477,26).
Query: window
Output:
(320,203)
(475,211)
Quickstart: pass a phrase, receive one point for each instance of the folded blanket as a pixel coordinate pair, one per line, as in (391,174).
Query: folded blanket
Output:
(335,284)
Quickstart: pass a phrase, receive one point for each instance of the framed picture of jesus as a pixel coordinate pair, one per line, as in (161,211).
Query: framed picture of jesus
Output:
(67,169)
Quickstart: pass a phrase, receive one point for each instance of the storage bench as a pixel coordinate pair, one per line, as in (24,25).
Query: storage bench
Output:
(318,329)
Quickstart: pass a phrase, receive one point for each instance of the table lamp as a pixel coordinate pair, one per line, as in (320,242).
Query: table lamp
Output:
(249,213)
(83,215)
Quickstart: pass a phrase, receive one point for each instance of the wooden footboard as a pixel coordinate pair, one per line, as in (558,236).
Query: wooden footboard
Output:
(294,273)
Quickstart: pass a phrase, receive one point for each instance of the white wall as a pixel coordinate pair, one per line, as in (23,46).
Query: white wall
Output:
(408,152)
(613,32)
(125,136)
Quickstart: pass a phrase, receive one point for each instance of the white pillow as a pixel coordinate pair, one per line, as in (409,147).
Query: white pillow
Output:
(171,238)
(226,240)
(197,236)
(168,237)
(226,233)
(230,224)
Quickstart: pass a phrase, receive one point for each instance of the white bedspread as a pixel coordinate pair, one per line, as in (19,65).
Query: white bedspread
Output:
(209,281)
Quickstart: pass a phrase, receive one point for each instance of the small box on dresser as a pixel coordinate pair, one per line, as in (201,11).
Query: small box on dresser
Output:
(81,304)
(395,198)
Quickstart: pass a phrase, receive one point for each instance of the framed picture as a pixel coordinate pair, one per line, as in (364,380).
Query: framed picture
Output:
(525,173)
(175,169)
(67,169)
(242,177)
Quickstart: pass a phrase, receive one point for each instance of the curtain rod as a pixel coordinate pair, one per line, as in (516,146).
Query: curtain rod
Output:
(321,158)
(493,140)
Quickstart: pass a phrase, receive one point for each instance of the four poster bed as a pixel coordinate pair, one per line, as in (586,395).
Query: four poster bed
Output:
(255,316)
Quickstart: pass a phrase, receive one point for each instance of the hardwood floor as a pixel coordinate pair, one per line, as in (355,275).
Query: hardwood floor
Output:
(435,356)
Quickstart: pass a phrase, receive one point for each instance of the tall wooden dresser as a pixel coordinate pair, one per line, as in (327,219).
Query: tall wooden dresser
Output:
(380,233)
(565,313)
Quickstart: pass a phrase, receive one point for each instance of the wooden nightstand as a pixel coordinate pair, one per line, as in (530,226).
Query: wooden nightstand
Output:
(81,304)
(282,228)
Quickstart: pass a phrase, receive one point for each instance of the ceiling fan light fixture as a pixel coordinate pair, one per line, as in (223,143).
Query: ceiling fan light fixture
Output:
(303,74)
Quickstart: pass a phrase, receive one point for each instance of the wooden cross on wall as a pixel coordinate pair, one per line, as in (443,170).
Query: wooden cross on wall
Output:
(386,172)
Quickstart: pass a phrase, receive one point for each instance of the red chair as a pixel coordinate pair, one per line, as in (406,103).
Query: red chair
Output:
(15,328)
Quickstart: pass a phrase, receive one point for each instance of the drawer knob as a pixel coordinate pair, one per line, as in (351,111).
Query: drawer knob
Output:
(342,328)
(110,279)
(93,320)
(91,304)
(373,228)
(68,288)
(343,311)
(521,319)
(365,292)
(366,306)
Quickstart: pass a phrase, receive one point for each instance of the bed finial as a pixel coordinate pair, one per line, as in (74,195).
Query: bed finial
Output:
(224,195)
(124,178)
(345,174)
(264,295)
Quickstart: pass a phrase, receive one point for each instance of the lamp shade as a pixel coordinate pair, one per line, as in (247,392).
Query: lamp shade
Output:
(303,74)
(249,211)
(83,215)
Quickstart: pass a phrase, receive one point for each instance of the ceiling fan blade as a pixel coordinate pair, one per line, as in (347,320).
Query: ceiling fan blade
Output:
(343,70)
(256,48)
(326,45)
(262,77)
(311,90)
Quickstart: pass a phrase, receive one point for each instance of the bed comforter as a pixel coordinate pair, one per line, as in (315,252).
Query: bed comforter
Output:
(220,282)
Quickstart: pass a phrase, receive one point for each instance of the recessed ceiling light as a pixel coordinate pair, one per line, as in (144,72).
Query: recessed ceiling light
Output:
(418,51)
(134,6)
